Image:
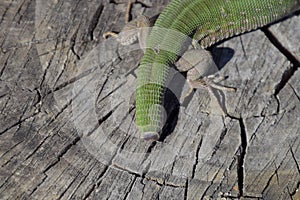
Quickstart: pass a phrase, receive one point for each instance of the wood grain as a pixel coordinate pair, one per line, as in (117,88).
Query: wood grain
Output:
(67,129)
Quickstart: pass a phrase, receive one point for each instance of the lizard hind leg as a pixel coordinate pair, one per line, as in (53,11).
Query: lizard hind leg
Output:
(135,30)
(127,19)
(201,71)
(198,63)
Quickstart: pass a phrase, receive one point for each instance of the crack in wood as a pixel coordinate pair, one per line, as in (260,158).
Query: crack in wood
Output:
(186,189)
(84,179)
(60,112)
(69,186)
(149,150)
(62,71)
(277,108)
(293,193)
(212,182)
(286,76)
(8,151)
(106,116)
(295,92)
(241,158)
(256,197)
(73,80)
(5,104)
(4,65)
(123,145)
(39,103)
(95,21)
(196,158)
(61,154)
(98,181)
(270,180)
(5,12)
(110,93)
(253,136)
(18,13)
(275,171)
(101,90)
(18,123)
(6,178)
(37,147)
(99,178)
(38,185)
(148,178)
(294,158)
(296,190)
(130,187)
(219,142)
(73,43)
(48,66)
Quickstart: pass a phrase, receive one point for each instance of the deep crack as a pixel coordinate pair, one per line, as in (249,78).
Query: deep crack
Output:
(95,21)
(295,62)
(240,167)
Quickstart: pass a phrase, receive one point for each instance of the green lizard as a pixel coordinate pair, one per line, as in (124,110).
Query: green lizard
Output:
(207,22)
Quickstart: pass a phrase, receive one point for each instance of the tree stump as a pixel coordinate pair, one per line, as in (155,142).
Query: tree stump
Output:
(68,129)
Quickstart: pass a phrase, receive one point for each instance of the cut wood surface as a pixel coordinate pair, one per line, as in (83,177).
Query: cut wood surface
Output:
(67,126)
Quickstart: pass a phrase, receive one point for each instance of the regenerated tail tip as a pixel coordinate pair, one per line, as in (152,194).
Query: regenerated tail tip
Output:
(150,136)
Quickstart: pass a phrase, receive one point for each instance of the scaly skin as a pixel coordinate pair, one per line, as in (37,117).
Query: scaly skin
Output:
(208,22)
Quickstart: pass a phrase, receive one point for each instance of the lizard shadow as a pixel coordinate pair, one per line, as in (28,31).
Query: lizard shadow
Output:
(174,89)
(221,55)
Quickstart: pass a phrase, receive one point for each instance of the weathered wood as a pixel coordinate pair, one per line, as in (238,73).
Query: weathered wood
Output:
(67,128)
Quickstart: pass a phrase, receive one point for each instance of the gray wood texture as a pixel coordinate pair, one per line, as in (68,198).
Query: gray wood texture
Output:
(67,128)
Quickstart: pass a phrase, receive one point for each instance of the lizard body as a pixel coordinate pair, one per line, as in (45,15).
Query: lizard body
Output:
(208,22)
